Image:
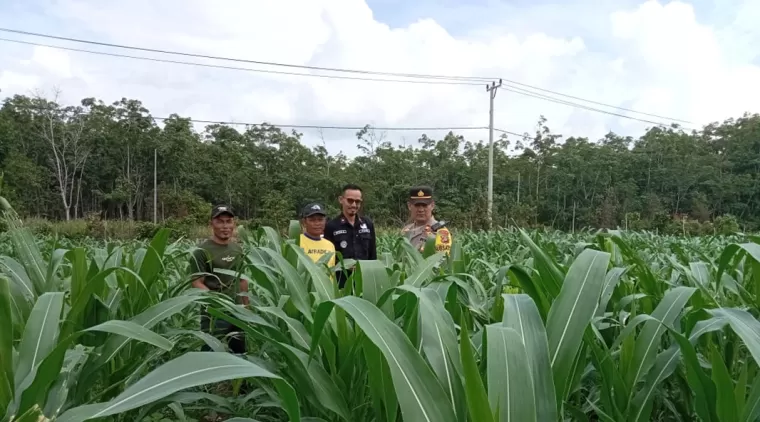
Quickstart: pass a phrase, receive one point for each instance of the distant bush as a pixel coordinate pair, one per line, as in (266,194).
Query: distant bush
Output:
(726,224)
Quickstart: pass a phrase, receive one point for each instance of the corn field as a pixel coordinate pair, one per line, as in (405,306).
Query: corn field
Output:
(511,326)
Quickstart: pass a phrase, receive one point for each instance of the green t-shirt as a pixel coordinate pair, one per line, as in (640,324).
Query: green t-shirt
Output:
(211,256)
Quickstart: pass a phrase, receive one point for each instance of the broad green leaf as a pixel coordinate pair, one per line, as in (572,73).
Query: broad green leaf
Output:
(745,326)
(610,282)
(724,387)
(510,383)
(571,313)
(372,282)
(294,231)
(220,404)
(35,387)
(58,394)
(134,331)
(148,318)
(532,287)
(550,273)
(77,258)
(297,331)
(740,389)
(325,389)
(6,346)
(189,370)
(751,411)
(381,387)
(206,338)
(28,254)
(664,366)
(323,285)
(419,393)
(732,250)
(296,287)
(699,382)
(475,391)
(423,271)
(439,344)
(22,292)
(648,341)
(521,314)
(40,335)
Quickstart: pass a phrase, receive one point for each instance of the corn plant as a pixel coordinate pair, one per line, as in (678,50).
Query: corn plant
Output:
(84,340)
(510,326)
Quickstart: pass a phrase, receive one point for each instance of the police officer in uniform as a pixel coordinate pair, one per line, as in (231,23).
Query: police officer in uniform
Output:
(353,235)
(421,205)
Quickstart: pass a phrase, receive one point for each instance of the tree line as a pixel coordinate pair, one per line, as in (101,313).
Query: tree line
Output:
(63,162)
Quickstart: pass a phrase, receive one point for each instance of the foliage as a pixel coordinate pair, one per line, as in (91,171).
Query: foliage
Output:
(540,178)
(512,325)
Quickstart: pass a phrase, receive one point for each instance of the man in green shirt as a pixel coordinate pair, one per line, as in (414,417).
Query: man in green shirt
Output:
(221,251)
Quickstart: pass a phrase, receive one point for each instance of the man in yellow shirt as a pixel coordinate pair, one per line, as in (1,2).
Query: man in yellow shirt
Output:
(313,220)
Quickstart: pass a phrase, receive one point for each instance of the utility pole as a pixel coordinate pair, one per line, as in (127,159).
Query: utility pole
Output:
(155,186)
(491,89)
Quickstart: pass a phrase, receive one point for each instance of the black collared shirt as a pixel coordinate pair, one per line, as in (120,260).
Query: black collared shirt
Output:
(353,242)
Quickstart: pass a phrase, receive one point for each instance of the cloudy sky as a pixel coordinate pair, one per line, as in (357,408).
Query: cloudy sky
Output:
(692,61)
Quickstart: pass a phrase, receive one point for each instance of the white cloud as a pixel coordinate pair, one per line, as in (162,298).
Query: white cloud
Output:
(17,83)
(662,61)
(686,66)
(55,61)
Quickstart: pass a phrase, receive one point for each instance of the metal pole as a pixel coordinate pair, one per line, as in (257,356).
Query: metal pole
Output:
(155,185)
(491,89)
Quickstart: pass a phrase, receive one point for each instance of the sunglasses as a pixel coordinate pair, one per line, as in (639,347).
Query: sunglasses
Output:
(352,201)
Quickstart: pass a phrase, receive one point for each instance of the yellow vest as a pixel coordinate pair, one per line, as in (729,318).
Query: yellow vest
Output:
(315,249)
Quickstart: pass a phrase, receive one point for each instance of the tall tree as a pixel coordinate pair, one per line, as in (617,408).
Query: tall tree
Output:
(69,161)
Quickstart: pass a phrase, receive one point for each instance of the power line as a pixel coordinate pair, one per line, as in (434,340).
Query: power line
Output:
(294,126)
(521,135)
(390,128)
(259,62)
(334,127)
(386,128)
(278,72)
(594,102)
(441,82)
(331,69)
(585,107)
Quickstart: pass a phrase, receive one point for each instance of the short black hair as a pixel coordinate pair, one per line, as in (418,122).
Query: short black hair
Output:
(351,186)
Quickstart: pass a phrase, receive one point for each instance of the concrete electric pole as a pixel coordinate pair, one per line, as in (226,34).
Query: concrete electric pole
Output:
(155,185)
(491,89)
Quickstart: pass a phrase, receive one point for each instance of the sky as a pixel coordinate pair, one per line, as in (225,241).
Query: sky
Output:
(679,60)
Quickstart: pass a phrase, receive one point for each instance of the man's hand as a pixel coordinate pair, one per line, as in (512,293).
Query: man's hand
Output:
(244,288)
(198,284)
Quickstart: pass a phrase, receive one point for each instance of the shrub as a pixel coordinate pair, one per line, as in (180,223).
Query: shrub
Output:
(726,224)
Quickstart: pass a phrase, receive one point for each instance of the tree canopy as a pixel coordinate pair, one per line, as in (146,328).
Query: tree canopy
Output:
(65,162)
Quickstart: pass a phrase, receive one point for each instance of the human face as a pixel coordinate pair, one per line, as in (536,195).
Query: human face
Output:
(314,225)
(223,226)
(350,202)
(421,212)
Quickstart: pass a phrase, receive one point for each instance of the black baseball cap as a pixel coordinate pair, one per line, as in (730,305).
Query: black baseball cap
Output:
(313,209)
(421,195)
(221,209)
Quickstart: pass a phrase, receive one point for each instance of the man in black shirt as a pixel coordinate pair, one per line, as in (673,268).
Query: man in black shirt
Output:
(352,235)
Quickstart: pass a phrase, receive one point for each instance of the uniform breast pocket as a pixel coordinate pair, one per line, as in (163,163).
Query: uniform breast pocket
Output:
(365,238)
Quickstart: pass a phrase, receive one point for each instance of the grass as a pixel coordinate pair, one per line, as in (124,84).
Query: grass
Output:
(512,326)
